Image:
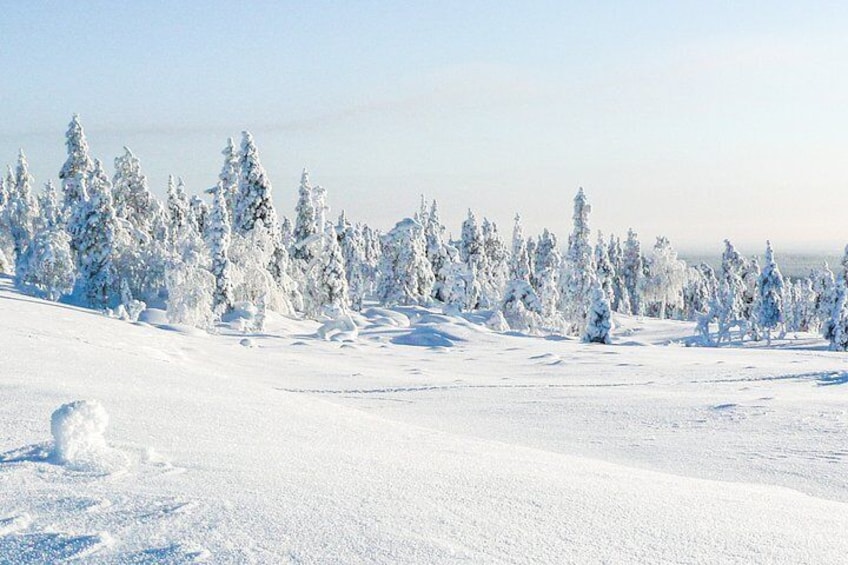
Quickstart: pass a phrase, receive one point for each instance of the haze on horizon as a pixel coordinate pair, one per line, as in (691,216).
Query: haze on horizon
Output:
(695,121)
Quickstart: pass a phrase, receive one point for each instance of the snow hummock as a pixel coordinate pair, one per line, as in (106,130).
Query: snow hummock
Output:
(78,435)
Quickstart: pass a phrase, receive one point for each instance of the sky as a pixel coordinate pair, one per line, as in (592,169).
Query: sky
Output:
(699,121)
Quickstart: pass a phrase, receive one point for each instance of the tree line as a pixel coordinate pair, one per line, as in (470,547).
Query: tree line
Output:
(108,243)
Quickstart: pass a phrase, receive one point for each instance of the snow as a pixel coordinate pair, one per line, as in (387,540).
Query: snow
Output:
(500,448)
(78,429)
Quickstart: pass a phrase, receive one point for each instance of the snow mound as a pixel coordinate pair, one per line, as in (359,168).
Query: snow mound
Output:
(78,429)
(341,328)
(427,336)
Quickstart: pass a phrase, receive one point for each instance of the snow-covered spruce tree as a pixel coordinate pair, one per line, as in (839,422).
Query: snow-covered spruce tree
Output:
(178,207)
(21,207)
(519,259)
(50,208)
(372,240)
(472,252)
(229,177)
(353,252)
(520,306)
(770,312)
(548,266)
(497,266)
(287,234)
(750,296)
(803,306)
(145,255)
(405,273)
(258,221)
(632,270)
(331,288)
(666,275)
(621,296)
(824,286)
(305,226)
(578,268)
(99,237)
(198,214)
(440,253)
(7,246)
(319,204)
(838,325)
(77,168)
(46,268)
(219,237)
(604,269)
(599,319)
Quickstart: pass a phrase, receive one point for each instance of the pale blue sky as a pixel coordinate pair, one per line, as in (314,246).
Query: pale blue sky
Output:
(697,120)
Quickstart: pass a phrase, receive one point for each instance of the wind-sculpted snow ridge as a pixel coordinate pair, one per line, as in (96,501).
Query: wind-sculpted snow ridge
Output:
(499,449)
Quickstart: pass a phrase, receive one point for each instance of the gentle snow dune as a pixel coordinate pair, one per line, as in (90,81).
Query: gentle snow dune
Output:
(495,449)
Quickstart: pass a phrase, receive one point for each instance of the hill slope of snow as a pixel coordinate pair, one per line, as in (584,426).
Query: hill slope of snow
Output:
(423,439)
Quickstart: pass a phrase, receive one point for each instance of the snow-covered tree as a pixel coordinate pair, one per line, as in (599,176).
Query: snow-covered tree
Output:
(599,318)
(133,200)
(770,312)
(198,214)
(665,277)
(604,269)
(229,177)
(546,273)
(21,207)
(632,271)
(439,252)
(578,267)
(356,271)
(838,326)
(305,227)
(77,168)
(178,206)
(331,282)
(472,251)
(219,239)
(99,236)
(824,285)
(47,267)
(405,273)
(497,267)
(621,296)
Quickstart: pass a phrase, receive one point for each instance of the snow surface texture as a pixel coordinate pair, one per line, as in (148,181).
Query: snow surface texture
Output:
(498,448)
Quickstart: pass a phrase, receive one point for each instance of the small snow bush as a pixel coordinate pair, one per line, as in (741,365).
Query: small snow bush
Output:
(77,430)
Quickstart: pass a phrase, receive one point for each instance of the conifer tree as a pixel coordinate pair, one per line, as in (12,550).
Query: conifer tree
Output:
(548,265)
(229,178)
(578,267)
(77,168)
(99,235)
(632,270)
(21,207)
(219,247)
(770,312)
(599,319)
(405,273)
(305,226)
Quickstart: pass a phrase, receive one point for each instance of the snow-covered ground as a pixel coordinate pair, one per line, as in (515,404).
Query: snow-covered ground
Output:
(424,438)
